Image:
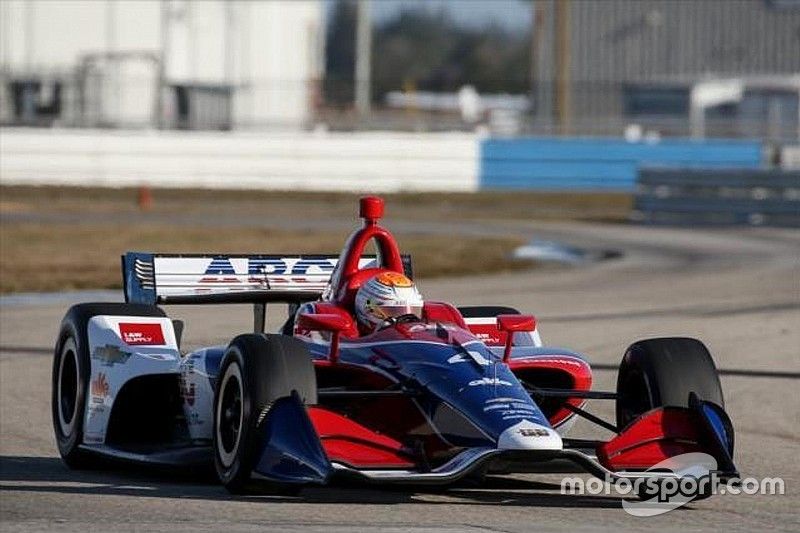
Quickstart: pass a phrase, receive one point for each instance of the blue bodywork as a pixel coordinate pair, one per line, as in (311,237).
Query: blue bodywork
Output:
(467,392)
(291,451)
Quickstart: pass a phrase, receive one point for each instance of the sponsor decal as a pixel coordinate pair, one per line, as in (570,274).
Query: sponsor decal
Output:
(525,416)
(416,328)
(221,270)
(93,438)
(489,381)
(553,361)
(508,407)
(496,407)
(99,388)
(137,334)
(491,338)
(187,391)
(95,411)
(257,266)
(158,356)
(194,419)
(110,355)
(476,356)
(533,432)
(185,386)
(506,399)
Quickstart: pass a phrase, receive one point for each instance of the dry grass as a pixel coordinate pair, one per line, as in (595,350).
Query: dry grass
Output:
(65,252)
(55,257)
(519,205)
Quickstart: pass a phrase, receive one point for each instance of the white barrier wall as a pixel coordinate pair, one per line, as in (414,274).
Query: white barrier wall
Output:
(379,162)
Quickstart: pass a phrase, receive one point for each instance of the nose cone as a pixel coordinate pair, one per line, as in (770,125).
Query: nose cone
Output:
(529,436)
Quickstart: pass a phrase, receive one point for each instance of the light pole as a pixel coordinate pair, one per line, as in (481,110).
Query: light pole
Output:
(563,102)
(363,57)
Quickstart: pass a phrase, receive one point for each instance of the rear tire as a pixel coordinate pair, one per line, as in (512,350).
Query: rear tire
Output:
(72,371)
(662,373)
(483,311)
(257,369)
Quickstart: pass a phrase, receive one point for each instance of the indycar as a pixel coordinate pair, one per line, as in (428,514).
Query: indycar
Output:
(457,393)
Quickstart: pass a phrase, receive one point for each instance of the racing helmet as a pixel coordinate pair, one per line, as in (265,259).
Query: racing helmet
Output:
(385,296)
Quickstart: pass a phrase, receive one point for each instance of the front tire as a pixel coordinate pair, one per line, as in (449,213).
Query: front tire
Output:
(256,371)
(70,376)
(662,373)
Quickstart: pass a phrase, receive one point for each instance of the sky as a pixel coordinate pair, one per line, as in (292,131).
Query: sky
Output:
(515,15)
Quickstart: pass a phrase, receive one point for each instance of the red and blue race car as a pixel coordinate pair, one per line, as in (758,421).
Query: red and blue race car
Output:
(458,392)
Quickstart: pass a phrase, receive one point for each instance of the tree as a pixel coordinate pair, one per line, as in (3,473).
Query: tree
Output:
(340,49)
(426,49)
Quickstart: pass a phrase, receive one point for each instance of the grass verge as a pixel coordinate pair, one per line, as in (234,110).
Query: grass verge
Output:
(517,205)
(45,244)
(56,257)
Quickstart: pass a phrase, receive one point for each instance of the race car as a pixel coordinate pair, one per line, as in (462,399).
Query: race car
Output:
(434,397)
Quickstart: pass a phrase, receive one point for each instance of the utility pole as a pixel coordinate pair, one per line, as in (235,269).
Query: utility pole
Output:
(363,57)
(111,110)
(163,58)
(537,25)
(562,63)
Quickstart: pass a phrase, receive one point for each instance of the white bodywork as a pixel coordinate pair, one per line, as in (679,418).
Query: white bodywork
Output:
(122,348)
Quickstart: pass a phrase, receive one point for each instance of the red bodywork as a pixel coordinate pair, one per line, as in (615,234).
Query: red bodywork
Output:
(350,443)
(654,437)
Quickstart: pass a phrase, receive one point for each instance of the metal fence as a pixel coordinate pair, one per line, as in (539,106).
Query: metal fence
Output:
(89,98)
(597,68)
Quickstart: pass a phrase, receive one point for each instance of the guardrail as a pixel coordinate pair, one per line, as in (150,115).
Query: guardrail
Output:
(601,164)
(718,197)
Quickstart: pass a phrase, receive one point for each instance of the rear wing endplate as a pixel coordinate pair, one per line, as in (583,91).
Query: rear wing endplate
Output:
(230,278)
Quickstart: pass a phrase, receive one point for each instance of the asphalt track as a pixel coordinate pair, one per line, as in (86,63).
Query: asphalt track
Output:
(738,290)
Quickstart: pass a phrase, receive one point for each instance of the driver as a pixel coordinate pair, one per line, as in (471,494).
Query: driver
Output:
(384,297)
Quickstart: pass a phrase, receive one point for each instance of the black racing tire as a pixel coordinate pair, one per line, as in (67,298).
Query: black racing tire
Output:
(662,373)
(474,311)
(72,372)
(256,370)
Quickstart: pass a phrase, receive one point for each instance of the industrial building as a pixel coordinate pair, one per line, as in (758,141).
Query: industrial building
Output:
(602,65)
(214,64)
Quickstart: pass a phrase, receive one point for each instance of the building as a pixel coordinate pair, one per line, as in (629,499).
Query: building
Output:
(211,64)
(640,61)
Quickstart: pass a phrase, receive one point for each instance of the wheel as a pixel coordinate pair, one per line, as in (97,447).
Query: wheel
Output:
(72,371)
(482,311)
(662,372)
(256,370)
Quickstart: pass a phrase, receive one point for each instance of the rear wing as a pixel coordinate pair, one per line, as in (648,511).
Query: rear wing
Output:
(230,278)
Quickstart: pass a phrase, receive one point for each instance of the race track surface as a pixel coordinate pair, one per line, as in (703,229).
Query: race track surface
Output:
(738,290)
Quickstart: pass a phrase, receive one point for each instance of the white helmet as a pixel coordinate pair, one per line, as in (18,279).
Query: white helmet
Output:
(387,295)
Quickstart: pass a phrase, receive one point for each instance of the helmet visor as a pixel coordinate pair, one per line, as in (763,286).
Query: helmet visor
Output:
(393,311)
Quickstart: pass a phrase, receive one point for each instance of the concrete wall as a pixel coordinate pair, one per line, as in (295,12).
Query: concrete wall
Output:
(299,161)
(574,163)
(367,161)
